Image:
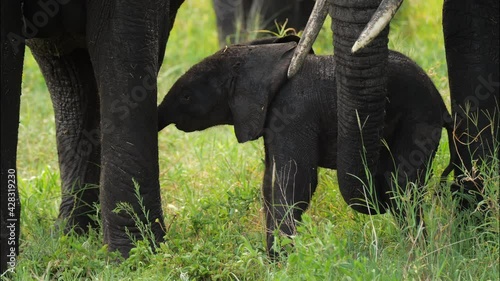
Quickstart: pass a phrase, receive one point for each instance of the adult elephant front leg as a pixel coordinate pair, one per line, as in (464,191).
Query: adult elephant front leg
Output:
(230,16)
(472,42)
(73,91)
(125,39)
(295,13)
(11,73)
(238,16)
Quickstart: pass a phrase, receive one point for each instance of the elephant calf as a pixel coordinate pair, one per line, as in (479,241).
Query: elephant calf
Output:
(246,86)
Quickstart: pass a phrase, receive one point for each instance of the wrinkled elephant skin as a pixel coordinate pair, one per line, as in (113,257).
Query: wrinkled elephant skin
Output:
(100,60)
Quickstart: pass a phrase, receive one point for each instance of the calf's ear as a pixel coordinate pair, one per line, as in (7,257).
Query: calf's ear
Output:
(259,78)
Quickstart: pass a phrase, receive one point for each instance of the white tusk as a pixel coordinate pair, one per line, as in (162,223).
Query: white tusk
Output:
(311,31)
(380,19)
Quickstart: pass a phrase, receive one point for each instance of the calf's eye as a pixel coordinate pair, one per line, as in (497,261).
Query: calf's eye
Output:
(186,98)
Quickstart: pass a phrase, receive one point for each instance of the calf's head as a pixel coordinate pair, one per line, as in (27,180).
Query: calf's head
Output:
(233,86)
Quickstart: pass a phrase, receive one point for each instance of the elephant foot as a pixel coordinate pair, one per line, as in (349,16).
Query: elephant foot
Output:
(122,231)
(78,213)
(124,241)
(469,200)
(276,249)
(79,225)
(279,239)
(467,195)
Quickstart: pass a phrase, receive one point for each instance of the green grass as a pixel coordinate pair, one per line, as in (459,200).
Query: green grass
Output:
(211,194)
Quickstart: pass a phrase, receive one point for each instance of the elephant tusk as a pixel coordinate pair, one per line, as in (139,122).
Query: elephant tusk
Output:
(311,31)
(380,19)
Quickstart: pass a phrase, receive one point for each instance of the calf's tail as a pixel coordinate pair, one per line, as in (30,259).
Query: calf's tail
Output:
(448,125)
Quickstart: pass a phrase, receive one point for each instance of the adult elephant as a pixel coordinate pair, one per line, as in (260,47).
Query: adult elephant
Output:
(238,16)
(100,60)
(472,44)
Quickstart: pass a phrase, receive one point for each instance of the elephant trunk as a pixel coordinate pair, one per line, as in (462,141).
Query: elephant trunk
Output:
(165,114)
(361,89)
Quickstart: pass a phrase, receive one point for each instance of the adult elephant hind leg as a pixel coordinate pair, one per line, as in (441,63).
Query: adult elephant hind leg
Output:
(471,36)
(72,86)
(125,52)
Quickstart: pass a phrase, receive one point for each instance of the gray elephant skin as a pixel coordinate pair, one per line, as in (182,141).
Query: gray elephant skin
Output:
(100,60)
(90,47)
(471,37)
(246,86)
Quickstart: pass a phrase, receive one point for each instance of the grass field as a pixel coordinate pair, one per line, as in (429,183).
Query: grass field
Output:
(211,194)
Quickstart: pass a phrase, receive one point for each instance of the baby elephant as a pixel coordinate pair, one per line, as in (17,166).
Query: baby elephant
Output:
(246,86)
